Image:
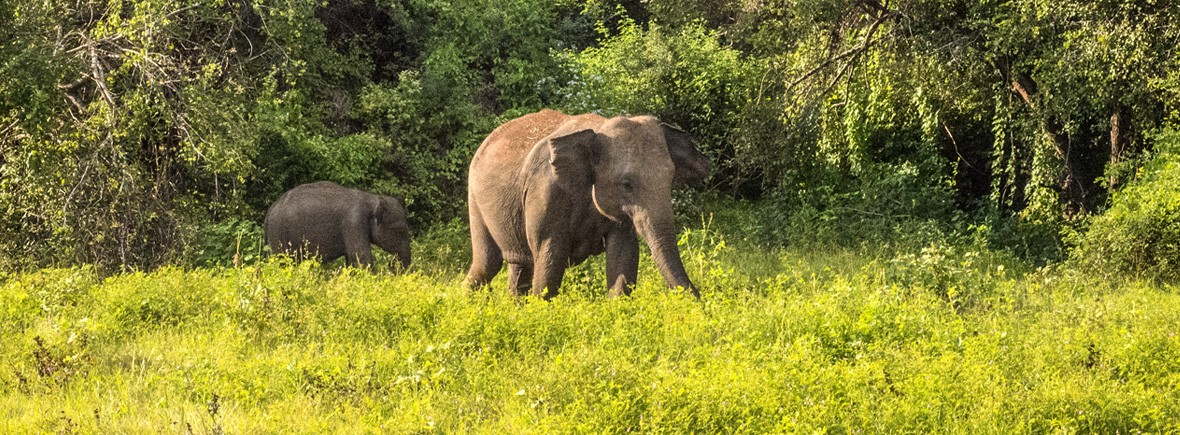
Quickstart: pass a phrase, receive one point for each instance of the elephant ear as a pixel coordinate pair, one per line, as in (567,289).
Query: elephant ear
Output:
(376,215)
(691,166)
(571,156)
(386,211)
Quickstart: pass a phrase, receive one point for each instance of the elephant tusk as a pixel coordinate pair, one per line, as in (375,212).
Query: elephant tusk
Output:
(597,206)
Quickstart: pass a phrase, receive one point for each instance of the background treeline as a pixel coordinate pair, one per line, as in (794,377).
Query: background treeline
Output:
(139,133)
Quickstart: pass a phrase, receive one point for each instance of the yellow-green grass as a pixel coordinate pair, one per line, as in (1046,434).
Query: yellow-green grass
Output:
(939,340)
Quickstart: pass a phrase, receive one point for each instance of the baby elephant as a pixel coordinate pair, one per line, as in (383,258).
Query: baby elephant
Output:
(328,221)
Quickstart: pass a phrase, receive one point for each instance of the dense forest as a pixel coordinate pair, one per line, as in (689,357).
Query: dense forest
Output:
(922,216)
(135,134)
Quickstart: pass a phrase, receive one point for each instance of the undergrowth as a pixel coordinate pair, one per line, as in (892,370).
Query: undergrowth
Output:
(938,338)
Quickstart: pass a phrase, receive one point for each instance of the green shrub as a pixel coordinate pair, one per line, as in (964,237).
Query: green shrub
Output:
(684,76)
(233,242)
(963,277)
(428,127)
(1139,235)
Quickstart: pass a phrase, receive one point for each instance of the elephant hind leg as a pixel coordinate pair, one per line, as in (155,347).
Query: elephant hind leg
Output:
(486,257)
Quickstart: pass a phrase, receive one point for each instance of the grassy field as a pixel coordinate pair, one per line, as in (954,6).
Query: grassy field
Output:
(942,339)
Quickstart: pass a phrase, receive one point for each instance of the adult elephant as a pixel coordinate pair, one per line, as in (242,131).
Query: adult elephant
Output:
(329,221)
(547,190)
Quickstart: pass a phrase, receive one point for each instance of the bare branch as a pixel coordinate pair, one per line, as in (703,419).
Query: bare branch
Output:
(1024,94)
(100,74)
(955,143)
(854,52)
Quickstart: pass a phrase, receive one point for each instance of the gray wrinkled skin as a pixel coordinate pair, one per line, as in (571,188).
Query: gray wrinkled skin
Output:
(548,190)
(329,221)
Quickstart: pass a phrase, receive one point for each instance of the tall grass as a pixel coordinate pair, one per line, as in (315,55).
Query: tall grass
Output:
(941,339)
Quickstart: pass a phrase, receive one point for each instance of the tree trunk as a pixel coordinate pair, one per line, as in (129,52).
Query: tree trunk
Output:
(1071,194)
(1116,148)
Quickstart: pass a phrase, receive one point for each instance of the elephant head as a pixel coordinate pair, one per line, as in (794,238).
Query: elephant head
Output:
(388,229)
(631,166)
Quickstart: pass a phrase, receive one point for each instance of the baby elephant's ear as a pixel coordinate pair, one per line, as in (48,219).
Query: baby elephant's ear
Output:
(388,210)
(572,156)
(691,166)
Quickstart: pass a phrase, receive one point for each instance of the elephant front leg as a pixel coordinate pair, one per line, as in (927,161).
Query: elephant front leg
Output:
(358,249)
(363,258)
(622,260)
(519,278)
(549,262)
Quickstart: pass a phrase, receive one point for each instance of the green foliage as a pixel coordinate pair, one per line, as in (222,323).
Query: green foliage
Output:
(430,131)
(234,242)
(132,134)
(1140,234)
(445,247)
(910,163)
(154,133)
(685,77)
(965,278)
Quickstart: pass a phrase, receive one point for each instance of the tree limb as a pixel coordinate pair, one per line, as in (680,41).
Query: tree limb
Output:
(855,51)
(1024,94)
(99,74)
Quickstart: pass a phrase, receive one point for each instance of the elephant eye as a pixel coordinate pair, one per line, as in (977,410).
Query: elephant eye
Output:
(627,185)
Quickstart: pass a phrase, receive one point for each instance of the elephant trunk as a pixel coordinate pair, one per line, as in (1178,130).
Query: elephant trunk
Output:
(659,231)
(403,256)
